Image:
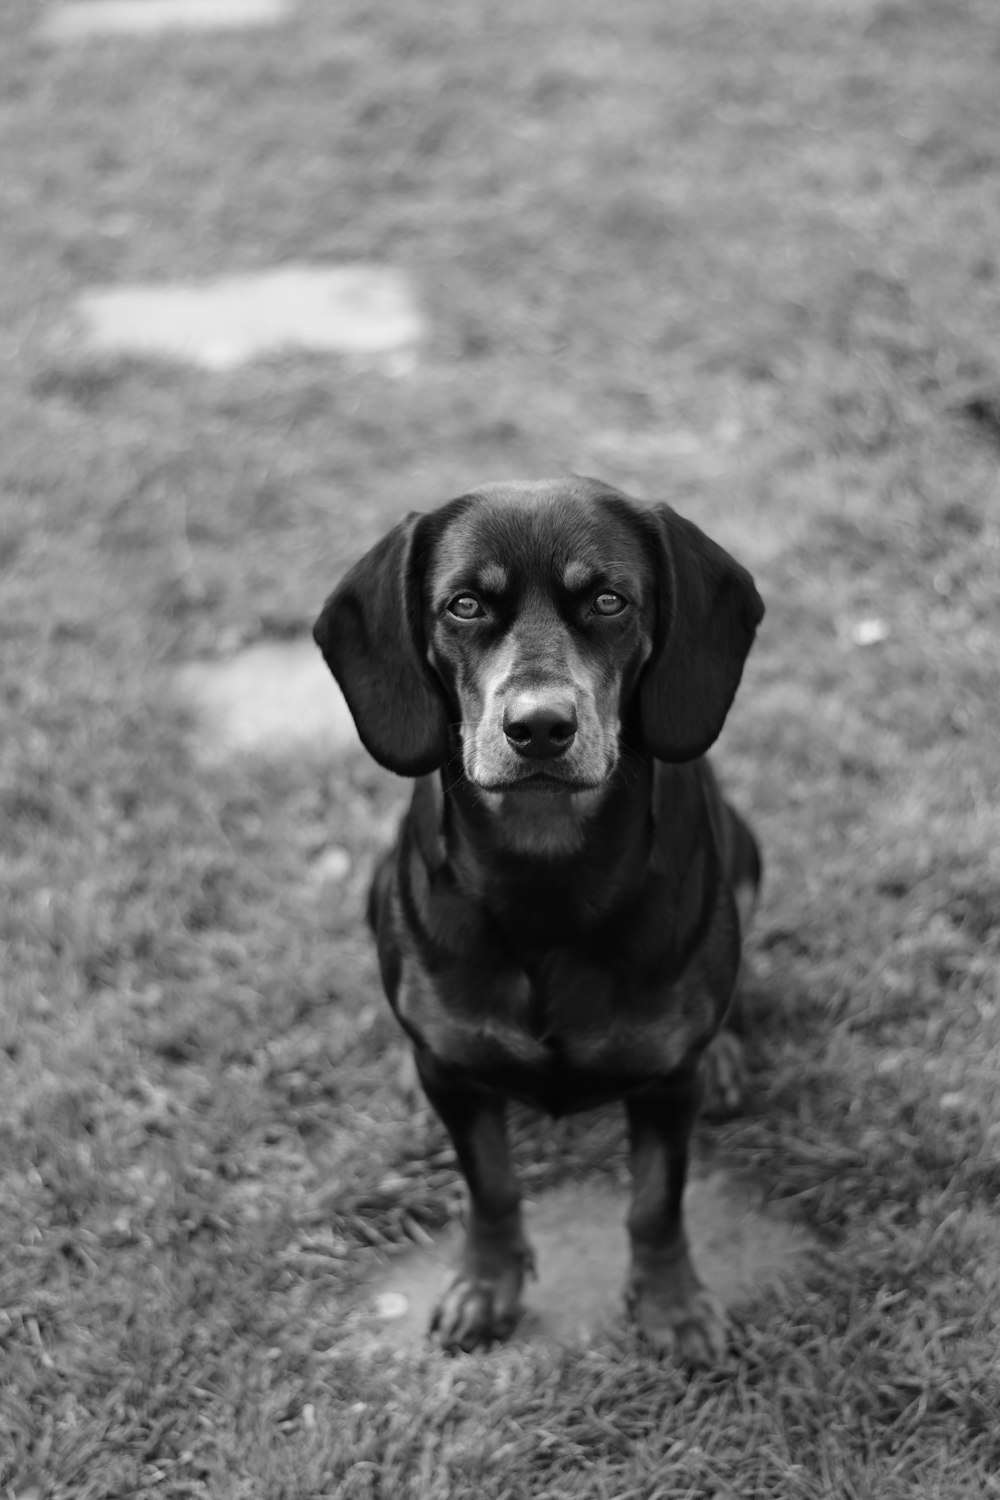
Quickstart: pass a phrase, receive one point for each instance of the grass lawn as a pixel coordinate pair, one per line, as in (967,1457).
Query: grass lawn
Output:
(744,256)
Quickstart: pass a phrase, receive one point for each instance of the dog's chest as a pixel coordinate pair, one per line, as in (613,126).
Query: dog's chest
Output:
(564,1036)
(559,991)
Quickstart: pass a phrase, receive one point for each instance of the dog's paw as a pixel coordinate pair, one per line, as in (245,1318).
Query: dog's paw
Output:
(691,1329)
(477,1310)
(724,1076)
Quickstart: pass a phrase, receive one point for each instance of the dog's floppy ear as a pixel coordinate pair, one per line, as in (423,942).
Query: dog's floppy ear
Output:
(709,611)
(371,635)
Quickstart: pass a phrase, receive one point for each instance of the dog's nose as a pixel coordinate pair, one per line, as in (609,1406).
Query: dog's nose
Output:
(539,729)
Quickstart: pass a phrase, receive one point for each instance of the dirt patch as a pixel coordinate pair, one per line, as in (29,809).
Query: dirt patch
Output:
(268,699)
(363,310)
(578,1233)
(96,18)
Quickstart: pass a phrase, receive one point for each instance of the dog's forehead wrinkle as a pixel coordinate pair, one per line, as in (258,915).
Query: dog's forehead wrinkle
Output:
(532,533)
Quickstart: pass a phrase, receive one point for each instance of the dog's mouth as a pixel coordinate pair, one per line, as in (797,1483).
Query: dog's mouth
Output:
(539,783)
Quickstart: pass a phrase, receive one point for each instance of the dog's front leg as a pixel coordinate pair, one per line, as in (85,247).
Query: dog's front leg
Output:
(671,1307)
(483,1301)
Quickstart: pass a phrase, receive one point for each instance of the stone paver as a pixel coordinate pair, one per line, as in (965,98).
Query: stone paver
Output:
(581,1246)
(79,20)
(366,310)
(268,699)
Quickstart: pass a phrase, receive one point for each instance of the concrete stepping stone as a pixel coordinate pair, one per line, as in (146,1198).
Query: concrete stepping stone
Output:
(581,1246)
(270,698)
(361,310)
(80,20)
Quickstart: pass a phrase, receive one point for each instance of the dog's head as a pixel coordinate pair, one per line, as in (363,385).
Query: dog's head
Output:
(529,627)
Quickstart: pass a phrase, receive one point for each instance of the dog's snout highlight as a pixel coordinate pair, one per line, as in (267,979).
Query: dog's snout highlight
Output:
(540,728)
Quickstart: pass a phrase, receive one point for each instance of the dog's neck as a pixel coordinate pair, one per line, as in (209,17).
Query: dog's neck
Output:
(598,857)
(526,845)
(541,825)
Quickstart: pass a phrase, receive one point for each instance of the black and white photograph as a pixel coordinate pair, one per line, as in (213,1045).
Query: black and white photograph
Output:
(499,750)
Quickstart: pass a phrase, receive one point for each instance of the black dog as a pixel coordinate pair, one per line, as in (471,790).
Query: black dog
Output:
(560,919)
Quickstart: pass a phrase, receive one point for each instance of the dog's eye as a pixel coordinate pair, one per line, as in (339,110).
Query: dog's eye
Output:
(608,603)
(465,607)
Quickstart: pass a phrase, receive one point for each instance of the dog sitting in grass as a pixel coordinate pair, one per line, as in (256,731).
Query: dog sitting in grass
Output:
(560,920)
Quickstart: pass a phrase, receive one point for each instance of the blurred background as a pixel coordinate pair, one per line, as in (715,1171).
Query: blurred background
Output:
(269,281)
